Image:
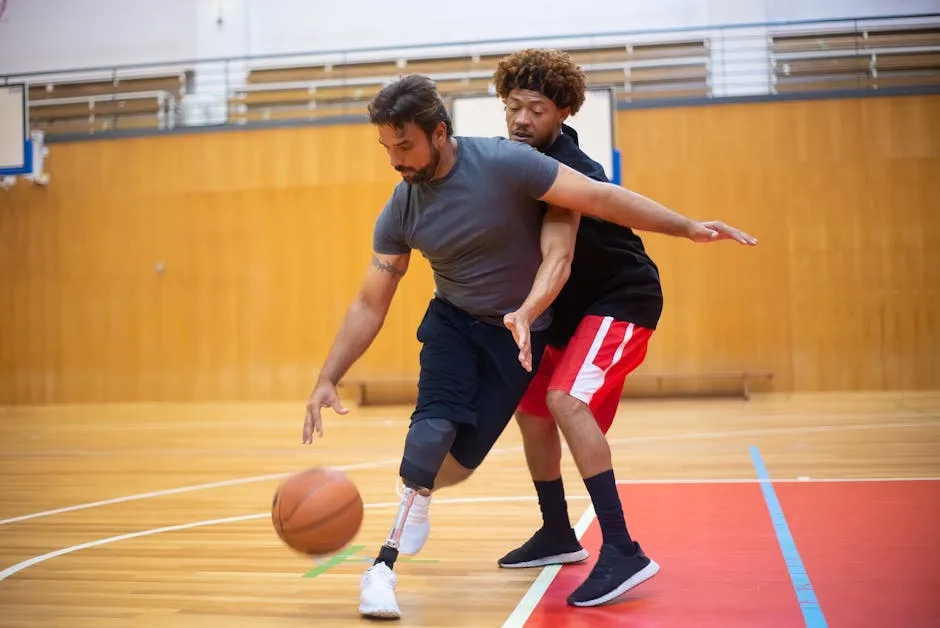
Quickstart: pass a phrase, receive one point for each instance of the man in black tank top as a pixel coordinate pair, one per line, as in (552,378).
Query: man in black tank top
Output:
(603,320)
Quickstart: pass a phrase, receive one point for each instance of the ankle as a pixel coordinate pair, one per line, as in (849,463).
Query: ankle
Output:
(387,555)
(628,549)
(558,532)
(606,500)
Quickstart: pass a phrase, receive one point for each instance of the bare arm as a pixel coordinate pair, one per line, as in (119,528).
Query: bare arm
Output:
(362,323)
(559,231)
(365,316)
(618,205)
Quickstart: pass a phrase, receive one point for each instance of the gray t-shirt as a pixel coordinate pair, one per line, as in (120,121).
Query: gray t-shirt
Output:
(479,226)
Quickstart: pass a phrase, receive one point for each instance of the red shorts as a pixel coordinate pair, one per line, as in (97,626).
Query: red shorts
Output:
(592,368)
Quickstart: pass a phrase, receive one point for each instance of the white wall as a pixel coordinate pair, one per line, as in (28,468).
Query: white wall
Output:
(778,10)
(367,23)
(65,34)
(59,34)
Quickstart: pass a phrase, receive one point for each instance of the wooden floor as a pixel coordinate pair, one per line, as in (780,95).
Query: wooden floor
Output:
(159,515)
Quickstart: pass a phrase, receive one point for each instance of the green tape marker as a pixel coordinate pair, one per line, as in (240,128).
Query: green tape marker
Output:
(349,555)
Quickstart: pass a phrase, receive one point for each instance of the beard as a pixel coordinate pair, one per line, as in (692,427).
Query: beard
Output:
(423,174)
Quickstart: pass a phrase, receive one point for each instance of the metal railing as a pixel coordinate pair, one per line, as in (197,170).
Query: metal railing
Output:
(674,66)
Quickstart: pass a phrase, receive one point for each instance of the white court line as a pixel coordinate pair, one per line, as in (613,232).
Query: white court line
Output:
(922,422)
(501,450)
(35,560)
(9,571)
(536,591)
(799,480)
(534,595)
(763,431)
(770,431)
(188,489)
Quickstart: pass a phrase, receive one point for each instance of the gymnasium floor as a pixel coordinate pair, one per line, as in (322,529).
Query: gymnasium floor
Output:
(158,516)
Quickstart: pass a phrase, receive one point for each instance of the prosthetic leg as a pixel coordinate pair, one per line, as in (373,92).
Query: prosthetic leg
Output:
(426,445)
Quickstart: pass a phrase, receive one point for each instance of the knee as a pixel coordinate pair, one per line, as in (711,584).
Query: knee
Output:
(562,405)
(426,446)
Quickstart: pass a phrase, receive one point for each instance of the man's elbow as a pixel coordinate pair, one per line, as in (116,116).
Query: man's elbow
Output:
(370,306)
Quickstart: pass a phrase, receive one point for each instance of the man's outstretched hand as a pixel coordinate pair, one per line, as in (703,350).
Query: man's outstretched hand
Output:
(715,230)
(323,396)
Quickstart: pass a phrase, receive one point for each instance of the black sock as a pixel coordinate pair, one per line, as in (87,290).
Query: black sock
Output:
(603,490)
(554,507)
(387,555)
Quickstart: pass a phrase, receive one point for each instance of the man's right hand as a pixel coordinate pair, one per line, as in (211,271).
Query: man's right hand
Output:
(518,323)
(323,396)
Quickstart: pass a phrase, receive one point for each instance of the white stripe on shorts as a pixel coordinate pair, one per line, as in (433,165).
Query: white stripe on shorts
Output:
(590,378)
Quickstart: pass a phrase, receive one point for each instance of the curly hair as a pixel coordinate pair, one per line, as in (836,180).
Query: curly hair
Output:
(551,73)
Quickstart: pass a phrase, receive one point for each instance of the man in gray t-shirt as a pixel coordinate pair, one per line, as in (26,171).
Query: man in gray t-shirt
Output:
(473,207)
(479,226)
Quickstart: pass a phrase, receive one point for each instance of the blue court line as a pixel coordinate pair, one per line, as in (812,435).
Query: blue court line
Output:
(809,605)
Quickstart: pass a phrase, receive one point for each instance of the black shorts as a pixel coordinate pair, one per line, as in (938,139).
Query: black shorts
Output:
(470,375)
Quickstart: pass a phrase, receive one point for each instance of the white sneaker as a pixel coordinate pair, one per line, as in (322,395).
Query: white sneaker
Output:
(417,525)
(377,598)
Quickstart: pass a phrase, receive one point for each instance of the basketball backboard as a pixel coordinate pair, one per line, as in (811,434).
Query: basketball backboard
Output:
(14,134)
(22,152)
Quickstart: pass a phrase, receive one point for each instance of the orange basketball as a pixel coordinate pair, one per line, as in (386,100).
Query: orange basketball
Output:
(318,511)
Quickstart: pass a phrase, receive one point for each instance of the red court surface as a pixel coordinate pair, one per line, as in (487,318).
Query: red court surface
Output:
(868,547)
(871,549)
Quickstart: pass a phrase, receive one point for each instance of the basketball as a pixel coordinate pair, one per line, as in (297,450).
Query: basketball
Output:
(317,512)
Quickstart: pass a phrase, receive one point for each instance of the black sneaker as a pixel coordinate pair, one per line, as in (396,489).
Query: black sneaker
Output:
(614,574)
(545,549)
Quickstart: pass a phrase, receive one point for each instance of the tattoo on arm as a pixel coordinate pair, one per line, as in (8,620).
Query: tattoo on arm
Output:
(386,267)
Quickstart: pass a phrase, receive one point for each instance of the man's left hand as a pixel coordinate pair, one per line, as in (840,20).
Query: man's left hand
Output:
(715,230)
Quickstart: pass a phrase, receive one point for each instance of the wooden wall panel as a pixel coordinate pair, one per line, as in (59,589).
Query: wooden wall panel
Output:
(844,290)
(265,236)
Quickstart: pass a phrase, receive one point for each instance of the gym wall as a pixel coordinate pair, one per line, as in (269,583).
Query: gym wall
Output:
(218,265)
